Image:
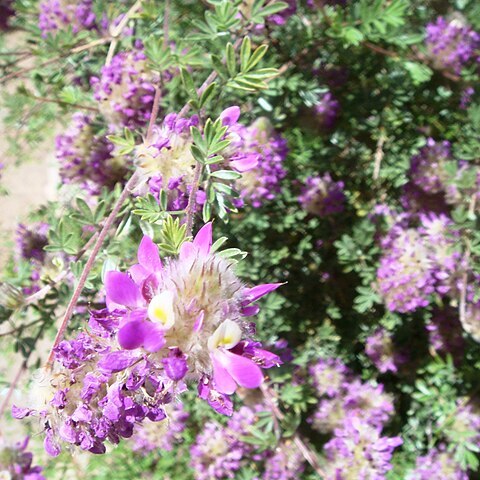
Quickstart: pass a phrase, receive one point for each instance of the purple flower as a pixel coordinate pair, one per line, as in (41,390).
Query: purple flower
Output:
(358,451)
(31,239)
(88,159)
(125,90)
(258,153)
(322,196)
(437,463)
(326,111)
(417,262)
(286,463)
(58,15)
(445,333)
(452,44)
(380,349)
(16,462)
(163,435)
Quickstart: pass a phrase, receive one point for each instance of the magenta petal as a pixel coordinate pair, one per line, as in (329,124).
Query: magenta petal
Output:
(224,383)
(148,255)
(230,115)
(132,335)
(138,273)
(203,239)
(250,310)
(117,361)
(186,250)
(253,294)
(121,289)
(245,164)
(153,337)
(243,370)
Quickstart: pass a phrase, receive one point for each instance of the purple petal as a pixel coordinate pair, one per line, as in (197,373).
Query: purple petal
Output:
(175,364)
(139,273)
(19,413)
(253,294)
(243,370)
(153,337)
(224,382)
(203,239)
(51,446)
(117,361)
(148,255)
(186,250)
(250,310)
(131,335)
(245,164)
(122,289)
(230,115)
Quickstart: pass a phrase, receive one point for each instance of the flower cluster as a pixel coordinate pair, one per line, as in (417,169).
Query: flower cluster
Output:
(346,397)
(31,240)
(125,90)
(16,463)
(86,158)
(185,320)
(261,152)
(452,44)
(358,451)
(286,463)
(322,196)
(218,451)
(58,15)
(437,463)
(382,352)
(163,435)
(326,111)
(417,262)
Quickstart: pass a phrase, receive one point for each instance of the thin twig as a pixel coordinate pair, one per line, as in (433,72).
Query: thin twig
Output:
(154,114)
(379,154)
(192,202)
(307,452)
(21,327)
(81,48)
(60,102)
(89,264)
(12,387)
(117,30)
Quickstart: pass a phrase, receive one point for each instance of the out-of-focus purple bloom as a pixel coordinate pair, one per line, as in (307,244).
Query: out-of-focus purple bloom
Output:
(218,452)
(262,152)
(416,263)
(125,90)
(286,463)
(30,241)
(437,463)
(358,451)
(163,435)
(6,12)
(382,352)
(58,15)
(330,376)
(466,98)
(88,159)
(322,196)
(452,44)
(280,18)
(342,397)
(16,462)
(327,111)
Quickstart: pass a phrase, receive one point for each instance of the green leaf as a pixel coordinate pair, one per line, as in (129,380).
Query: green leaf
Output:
(245,51)
(419,72)
(231,62)
(226,175)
